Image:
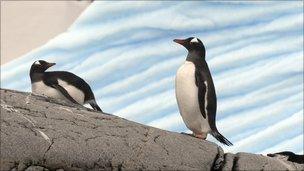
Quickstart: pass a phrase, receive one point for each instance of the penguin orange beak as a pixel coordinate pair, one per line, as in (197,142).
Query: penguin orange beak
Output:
(180,41)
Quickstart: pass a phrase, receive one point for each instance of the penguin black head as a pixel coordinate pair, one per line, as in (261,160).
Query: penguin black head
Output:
(195,47)
(40,66)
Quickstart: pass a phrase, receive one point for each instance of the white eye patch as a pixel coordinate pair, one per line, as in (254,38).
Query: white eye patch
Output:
(194,40)
(37,63)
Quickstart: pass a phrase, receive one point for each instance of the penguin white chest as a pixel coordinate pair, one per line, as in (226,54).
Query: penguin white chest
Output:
(187,99)
(42,89)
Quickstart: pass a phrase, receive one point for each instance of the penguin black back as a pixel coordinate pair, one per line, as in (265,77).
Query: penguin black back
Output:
(72,79)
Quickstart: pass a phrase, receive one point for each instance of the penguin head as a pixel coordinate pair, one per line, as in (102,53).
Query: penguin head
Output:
(40,66)
(194,46)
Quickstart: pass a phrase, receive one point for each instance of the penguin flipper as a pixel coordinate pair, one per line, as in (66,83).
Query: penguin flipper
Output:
(64,92)
(201,91)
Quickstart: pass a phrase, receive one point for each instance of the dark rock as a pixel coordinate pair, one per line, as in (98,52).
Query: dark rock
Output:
(21,166)
(229,161)
(246,161)
(36,168)
(289,156)
(42,133)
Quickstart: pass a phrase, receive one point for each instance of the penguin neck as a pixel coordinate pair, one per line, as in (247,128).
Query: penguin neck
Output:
(198,58)
(36,75)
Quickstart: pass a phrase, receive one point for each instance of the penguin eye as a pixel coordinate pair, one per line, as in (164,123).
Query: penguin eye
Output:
(194,40)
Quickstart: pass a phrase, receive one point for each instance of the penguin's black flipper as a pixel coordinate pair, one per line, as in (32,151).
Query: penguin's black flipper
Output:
(211,104)
(64,92)
(51,80)
(201,91)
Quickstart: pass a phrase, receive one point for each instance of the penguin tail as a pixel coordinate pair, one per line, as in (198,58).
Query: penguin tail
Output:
(95,105)
(221,138)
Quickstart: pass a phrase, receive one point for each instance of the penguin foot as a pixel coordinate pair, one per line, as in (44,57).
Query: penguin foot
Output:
(202,136)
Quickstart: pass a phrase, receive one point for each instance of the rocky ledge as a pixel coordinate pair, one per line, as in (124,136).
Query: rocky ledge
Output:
(39,133)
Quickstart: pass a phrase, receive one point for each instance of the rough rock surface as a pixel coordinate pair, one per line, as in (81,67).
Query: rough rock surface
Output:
(39,133)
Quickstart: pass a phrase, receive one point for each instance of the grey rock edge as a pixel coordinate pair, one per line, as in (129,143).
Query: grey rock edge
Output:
(39,133)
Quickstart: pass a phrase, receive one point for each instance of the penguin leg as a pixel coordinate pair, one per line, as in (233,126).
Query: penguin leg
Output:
(202,136)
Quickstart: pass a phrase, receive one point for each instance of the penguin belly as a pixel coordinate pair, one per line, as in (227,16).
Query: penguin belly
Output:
(187,99)
(43,89)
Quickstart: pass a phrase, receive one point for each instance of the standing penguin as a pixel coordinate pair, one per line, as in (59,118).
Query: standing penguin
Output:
(195,92)
(61,85)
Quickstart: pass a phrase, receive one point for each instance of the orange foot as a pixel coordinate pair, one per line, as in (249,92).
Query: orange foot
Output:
(202,136)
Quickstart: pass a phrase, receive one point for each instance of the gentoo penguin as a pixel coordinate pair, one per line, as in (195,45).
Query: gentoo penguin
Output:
(195,92)
(61,85)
